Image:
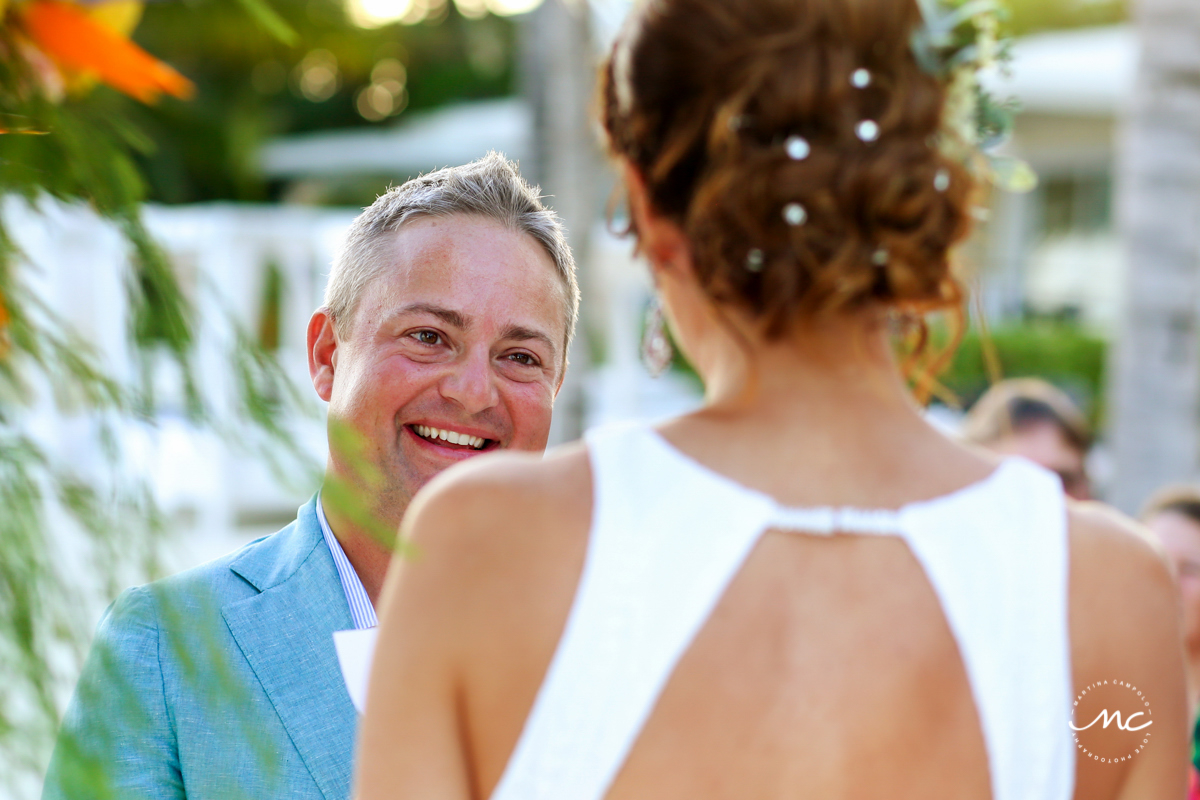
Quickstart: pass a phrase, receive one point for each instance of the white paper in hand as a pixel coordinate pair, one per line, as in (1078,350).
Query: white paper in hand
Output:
(355,650)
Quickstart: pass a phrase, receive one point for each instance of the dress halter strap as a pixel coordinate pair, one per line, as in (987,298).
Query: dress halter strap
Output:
(827,521)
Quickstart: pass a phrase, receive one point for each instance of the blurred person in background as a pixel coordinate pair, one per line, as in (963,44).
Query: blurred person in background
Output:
(1032,418)
(1173,516)
(444,335)
(802,589)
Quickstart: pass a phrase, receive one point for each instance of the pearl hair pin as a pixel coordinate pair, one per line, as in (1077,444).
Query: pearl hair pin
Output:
(941,181)
(794,214)
(860,78)
(754,260)
(798,148)
(867,130)
(880,257)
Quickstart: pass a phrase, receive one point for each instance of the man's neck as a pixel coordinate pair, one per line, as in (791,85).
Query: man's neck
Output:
(369,557)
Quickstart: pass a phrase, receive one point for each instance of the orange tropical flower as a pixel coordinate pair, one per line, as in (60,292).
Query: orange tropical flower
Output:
(79,42)
(5,339)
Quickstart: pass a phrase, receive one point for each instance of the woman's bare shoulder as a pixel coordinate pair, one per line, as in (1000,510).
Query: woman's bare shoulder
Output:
(1114,560)
(501,518)
(1107,547)
(1125,626)
(504,490)
(1123,607)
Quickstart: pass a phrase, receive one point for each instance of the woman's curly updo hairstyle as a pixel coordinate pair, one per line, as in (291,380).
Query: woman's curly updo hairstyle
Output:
(714,100)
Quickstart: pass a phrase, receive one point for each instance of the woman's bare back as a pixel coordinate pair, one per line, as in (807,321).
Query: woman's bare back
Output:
(827,670)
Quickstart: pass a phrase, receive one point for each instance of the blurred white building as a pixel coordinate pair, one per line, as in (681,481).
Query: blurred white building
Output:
(1056,250)
(223,253)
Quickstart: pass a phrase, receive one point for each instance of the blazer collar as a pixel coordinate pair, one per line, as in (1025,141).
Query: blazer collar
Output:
(286,634)
(274,559)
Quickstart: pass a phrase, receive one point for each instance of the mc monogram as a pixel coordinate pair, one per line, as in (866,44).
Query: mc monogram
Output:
(1122,735)
(1127,725)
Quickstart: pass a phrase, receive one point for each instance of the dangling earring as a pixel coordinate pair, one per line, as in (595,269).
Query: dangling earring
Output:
(656,347)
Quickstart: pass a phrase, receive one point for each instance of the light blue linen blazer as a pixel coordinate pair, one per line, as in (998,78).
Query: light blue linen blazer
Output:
(219,682)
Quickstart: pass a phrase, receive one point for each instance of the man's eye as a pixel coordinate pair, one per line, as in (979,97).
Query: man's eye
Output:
(523,358)
(427,337)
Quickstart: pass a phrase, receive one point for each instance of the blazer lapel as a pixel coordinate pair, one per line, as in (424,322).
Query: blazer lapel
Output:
(286,635)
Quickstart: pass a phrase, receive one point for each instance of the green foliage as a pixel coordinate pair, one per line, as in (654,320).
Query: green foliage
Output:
(270,308)
(41,630)
(58,523)
(1031,16)
(117,526)
(270,21)
(354,497)
(268,402)
(248,87)
(1063,354)
(34,339)
(85,151)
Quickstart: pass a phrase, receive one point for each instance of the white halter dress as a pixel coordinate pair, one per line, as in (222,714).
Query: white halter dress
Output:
(667,537)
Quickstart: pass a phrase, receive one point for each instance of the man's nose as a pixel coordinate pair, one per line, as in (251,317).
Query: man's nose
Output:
(471,383)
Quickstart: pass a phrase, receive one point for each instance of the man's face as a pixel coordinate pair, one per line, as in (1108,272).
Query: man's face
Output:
(455,349)
(1043,443)
(1180,537)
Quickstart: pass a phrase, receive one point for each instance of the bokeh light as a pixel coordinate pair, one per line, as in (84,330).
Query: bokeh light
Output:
(505,8)
(386,95)
(376,13)
(389,69)
(472,9)
(317,77)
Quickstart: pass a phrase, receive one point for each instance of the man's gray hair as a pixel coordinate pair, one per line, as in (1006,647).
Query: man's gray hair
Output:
(490,187)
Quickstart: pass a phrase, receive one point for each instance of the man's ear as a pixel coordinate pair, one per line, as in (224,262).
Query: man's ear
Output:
(322,352)
(663,242)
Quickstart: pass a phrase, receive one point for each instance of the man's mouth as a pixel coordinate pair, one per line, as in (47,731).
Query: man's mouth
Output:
(449,438)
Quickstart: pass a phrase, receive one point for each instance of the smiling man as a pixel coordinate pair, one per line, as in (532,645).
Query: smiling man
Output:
(444,334)
(458,347)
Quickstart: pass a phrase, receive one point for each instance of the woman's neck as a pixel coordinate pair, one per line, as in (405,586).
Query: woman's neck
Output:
(818,370)
(827,403)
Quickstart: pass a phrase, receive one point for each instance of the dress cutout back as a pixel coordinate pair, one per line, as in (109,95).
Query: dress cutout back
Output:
(667,537)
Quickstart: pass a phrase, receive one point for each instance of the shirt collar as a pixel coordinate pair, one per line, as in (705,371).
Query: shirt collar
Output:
(361,609)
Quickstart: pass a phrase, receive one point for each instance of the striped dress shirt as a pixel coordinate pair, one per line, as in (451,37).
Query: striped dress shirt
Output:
(361,610)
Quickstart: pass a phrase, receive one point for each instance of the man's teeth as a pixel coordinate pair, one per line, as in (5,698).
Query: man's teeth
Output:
(453,437)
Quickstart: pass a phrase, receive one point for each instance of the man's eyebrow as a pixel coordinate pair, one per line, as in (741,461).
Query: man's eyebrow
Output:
(522,334)
(447,315)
